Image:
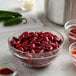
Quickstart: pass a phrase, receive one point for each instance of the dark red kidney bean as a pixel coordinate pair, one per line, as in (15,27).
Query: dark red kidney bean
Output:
(28,55)
(37,42)
(32,46)
(20,48)
(15,38)
(12,42)
(18,45)
(18,42)
(41,51)
(25,43)
(32,51)
(27,51)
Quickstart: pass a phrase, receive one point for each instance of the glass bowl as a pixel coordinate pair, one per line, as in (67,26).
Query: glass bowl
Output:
(9,66)
(38,60)
(70,30)
(72,51)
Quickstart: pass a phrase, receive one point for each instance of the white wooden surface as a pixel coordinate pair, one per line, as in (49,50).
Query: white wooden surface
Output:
(61,66)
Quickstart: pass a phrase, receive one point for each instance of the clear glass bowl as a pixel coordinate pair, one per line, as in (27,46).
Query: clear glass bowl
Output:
(73,47)
(9,66)
(69,25)
(39,59)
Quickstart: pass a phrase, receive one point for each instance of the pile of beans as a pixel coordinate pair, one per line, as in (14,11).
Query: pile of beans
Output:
(36,45)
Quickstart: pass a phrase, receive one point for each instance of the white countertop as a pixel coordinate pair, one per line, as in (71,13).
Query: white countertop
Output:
(61,66)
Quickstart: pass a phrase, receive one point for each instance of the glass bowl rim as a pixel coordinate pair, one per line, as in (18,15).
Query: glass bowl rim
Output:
(65,25)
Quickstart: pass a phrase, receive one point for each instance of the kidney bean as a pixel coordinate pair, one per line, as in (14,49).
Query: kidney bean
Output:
(32,51)
(18,45)
(29,55)
(27,51)
(15,38)
(41,51)
(32,46)
(18,42)
(20,48)
(12,42)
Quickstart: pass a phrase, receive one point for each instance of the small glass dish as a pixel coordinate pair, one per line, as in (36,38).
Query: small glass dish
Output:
(70,30)
(72,51)
(9,66)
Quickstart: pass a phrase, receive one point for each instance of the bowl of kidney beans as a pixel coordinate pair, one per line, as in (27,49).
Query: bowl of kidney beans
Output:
(70,29)
(36,49)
